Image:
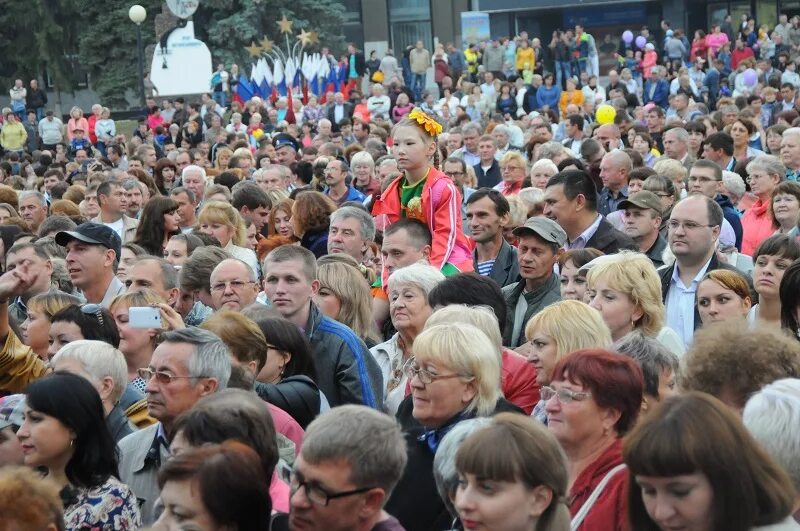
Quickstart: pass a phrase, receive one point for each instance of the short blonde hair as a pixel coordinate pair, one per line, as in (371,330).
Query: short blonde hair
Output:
(671,169)
(145,297)
(362,158)
(514,156)
(224,213)
(573,325)
(481,317)
(467,351)
(518,210)
(634,275)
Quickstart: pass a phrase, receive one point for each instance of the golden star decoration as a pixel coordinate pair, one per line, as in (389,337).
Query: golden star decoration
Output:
(304,37)
(313,36)
(266,44)
(285,24)
(254,49)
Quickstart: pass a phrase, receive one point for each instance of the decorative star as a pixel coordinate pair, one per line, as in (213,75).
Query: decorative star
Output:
(285,24)
(313,36)
(266,44)
(254,49)
(304,37)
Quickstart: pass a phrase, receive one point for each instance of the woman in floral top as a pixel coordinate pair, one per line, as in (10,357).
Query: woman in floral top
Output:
(64,432)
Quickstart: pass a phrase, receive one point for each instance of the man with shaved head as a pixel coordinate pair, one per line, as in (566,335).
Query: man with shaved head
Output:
(615,169)
(609,136)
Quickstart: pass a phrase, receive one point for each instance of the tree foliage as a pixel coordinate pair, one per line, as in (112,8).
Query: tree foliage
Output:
(56,36)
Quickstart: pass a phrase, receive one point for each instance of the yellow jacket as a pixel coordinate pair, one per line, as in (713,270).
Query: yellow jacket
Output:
(576,98)
(13,136)
(19,365)
(472,60)
(524,56)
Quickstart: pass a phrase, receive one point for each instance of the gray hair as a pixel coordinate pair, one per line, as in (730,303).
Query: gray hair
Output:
(769,164)
(422,276)
(546,164)
(481,317)
(362,158)
(169,275)
(99,360)
(32,193)
(734,184)
(552,149)
(210,357)
(620,159)
(680,134)
(651,355)
(371,442)
(444,462)
(792,131)
(251,275)
(364,218)
(193,168)
(502,129)
(772,416)
(130,184)
(471,126)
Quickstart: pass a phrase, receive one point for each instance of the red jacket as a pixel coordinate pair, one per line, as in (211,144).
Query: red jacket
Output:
(610,512)
(737,56)
(440,211)
(519,381)
(757,226)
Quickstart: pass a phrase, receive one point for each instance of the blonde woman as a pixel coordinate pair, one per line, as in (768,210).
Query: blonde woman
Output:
(36,324)
(76,121)
(136,344)
(513,169)
(558,330)
(626,290)
(224,222)
(344,296)
(223,155)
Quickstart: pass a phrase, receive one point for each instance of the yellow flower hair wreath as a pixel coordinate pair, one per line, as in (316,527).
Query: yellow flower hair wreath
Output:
(431,126)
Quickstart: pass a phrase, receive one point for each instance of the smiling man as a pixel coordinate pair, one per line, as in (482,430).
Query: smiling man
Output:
(541,242)
(351,231)
(488,213)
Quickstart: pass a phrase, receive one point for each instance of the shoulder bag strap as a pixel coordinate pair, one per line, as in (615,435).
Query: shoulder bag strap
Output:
(598,490)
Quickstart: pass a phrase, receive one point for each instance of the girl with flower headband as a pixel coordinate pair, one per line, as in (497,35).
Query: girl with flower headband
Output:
(425,193)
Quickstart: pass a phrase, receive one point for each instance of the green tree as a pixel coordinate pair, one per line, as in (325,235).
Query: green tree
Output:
(39,36)
(107,46)
(227,26)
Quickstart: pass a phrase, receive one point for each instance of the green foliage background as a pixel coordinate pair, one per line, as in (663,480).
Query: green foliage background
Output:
(57,36)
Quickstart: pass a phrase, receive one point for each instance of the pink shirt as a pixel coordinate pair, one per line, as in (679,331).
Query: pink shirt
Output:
(287,426)
(280,493)
(715,41)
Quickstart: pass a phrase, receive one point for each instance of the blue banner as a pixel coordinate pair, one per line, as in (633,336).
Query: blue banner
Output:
(475,27)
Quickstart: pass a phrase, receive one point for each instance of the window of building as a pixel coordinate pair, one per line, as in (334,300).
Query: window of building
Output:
(409,22)
(353,29)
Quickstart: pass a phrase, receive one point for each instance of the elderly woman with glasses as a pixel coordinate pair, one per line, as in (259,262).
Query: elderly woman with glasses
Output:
(593,400)
(454,375)
(764,173)
(514,169)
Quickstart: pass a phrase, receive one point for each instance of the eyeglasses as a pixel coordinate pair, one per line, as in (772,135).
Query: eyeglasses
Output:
(511,168)
(411,369)
(235,285)
(673,224)
(453,173)
(94,309)
(565,396)
(317,494)
(161,377)
(751,178)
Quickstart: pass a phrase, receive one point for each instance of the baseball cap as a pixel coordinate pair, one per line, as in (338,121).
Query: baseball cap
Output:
(94,233)
(642,199)
(545,228)
(11,407)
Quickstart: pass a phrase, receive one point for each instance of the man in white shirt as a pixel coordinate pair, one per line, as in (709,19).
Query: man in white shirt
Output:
(113,207)
(694,228)
(379,103)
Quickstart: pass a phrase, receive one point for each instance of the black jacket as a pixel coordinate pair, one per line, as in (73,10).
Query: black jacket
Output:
(666,279)
(347,112)
(415,501)
(35,98)
(297,395)
(609,240)
(505,269)
(490,178)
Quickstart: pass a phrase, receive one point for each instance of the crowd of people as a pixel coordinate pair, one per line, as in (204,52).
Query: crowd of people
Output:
(531,304)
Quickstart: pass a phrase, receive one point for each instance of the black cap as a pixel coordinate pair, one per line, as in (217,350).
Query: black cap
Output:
(284,139)
(93,233)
